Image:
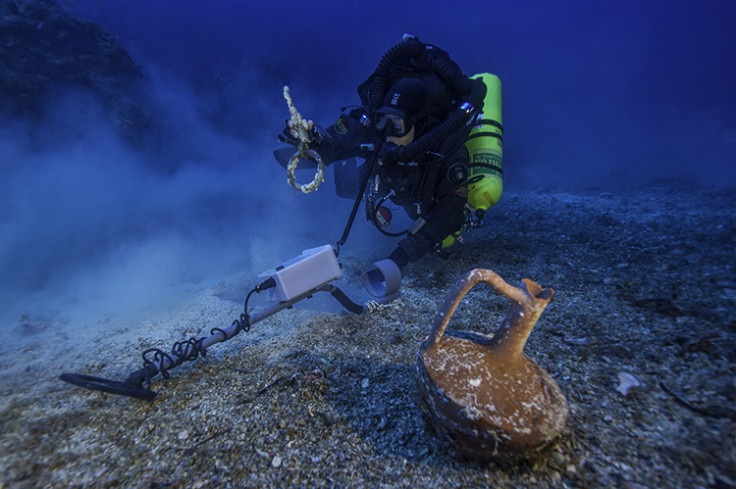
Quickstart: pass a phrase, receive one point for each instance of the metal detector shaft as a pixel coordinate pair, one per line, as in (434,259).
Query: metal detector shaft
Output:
(133,386)
(172,359)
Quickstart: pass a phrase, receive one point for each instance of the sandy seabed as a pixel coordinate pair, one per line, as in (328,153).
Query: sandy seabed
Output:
(644,285)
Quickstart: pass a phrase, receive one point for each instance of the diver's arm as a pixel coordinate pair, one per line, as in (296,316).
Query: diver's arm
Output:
(345,138)
(444,200)
(444,220)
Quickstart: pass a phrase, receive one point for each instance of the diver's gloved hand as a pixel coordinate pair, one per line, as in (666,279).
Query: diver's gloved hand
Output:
(382,279)
(286,135)
(291,136)
(389,153)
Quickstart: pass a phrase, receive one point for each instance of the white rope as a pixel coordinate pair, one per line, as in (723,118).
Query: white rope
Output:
(301,127)
(373,307)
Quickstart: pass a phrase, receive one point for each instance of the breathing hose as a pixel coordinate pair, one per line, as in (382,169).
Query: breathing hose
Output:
(382,74)
(454,122)
(450,75)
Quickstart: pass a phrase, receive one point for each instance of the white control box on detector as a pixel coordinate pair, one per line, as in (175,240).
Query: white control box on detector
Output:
(312,268)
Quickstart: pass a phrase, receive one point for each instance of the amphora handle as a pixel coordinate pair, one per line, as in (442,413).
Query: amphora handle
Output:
(519,321)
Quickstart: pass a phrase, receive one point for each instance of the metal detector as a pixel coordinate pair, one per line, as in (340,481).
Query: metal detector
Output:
(291,282)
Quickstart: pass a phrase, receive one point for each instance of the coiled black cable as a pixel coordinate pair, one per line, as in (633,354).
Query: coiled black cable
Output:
(191,349)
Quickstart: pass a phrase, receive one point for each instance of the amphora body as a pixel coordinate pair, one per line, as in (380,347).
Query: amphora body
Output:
(483,395)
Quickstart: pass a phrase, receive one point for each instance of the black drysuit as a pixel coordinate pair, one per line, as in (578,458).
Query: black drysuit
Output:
(428,189)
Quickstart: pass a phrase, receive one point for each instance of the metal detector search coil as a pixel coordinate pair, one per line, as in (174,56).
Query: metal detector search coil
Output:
(309,270)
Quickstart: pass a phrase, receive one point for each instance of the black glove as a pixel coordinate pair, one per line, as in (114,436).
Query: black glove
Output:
(389,153)
(400,257)
(286,137)
(315,136)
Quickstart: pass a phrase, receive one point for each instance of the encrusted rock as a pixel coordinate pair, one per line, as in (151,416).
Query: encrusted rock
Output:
(45,50)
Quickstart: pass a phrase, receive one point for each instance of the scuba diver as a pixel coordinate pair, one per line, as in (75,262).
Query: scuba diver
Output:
(417,111)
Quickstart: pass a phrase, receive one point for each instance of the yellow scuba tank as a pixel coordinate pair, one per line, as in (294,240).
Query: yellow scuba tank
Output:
(485,148)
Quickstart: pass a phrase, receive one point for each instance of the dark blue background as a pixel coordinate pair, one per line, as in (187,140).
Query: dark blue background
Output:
(605,92)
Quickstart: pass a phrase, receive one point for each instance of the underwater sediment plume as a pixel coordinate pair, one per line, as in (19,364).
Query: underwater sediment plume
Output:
(484,397)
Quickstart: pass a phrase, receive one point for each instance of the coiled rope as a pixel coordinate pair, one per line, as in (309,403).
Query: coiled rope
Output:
(303,152)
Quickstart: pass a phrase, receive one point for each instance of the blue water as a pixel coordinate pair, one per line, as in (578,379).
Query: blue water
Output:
(627,95)
(628,90)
